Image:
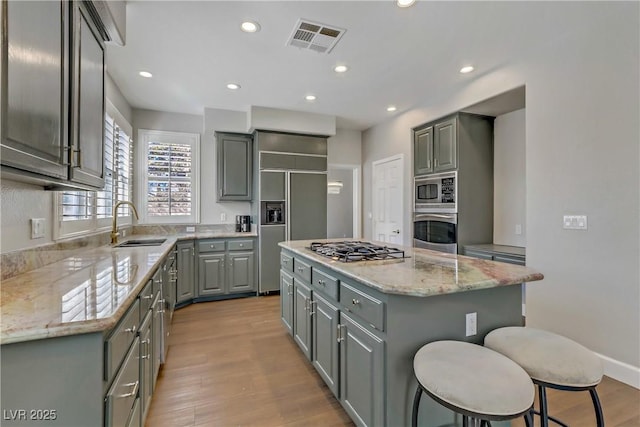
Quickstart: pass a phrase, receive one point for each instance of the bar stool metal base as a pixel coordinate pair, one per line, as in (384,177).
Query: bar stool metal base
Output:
(485,419)
(544,407)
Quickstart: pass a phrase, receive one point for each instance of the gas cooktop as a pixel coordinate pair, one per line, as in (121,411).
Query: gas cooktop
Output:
(354,250)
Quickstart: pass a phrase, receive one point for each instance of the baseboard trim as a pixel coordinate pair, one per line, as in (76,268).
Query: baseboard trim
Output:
(621,371)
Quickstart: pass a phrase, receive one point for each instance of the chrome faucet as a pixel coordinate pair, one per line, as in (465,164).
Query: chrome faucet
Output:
(114,226)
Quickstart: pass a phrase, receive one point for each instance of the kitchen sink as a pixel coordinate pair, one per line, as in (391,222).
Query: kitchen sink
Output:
(141,242)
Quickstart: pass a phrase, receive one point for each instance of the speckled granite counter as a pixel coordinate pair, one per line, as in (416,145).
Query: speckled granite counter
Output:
(86,292)
(424,273)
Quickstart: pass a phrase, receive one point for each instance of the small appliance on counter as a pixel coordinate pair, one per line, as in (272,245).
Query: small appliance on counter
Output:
(243,223)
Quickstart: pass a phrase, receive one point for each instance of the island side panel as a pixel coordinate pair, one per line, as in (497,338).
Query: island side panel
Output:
(38,375)
(415,321)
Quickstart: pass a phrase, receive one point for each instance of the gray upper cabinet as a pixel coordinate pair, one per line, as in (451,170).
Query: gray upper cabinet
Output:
(235,154)
(444,146)
(272,186)
(34,89)
(53,102)
(88,91)
(435,147)
(423,151)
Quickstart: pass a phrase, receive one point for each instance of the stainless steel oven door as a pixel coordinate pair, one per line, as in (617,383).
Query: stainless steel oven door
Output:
(436,231)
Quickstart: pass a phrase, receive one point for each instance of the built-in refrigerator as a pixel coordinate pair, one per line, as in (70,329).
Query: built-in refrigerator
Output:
(293,206)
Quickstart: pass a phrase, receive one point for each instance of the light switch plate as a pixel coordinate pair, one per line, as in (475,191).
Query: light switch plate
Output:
(574,222)
(471,321)
(37,228)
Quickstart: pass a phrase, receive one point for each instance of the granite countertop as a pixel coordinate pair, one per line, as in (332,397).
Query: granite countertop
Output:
(499,249)
(425,273)
(84,293)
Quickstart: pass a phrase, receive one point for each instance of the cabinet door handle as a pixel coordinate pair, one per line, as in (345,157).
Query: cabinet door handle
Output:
(133,392)
(193,251)
(339,334)
(147,297)
(355,301)
(428,163)
(290,289)
(312,306)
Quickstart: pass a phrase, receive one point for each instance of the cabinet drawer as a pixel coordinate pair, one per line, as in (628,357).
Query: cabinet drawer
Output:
(365,306)
(240,245)
(302,269)
(122,396)
(146,298)
(511,259)
(478,254)
(135,418)
(211,246)
(120,340)
(286,262)
(325,283)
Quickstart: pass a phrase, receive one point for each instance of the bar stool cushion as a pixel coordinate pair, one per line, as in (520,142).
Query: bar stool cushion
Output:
(473,378)
(547,357)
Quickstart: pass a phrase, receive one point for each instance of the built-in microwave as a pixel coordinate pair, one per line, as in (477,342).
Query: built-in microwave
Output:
(436,193)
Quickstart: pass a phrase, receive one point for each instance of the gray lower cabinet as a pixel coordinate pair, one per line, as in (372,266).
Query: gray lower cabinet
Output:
(225,267)
(185,283)
(325,341)
(361,373)
(146,365)
(286,301)
(302,319)
(235,154)
(211,277)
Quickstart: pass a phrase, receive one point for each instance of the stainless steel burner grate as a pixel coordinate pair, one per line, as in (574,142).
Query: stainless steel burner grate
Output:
(350,251)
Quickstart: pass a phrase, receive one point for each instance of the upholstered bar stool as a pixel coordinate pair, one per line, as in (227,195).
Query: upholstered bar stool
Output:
(551,360)
(473,381)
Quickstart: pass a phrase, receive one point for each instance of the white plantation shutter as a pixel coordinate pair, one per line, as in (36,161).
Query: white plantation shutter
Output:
(169,184)
(84,211)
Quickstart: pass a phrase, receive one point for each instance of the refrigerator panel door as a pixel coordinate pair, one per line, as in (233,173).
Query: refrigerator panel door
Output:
(307,206)
(272,185)
(270,236)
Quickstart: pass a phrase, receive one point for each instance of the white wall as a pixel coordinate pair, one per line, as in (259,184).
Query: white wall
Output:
(345,147)
(509,190)
(582,157)
(340,206)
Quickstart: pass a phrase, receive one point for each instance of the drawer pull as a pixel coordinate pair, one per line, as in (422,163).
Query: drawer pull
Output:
(300,269)
(321,282)
(285,261)
(133,392)
(355,301)
(212,246)
(131,329)
(241,245)
(147,297)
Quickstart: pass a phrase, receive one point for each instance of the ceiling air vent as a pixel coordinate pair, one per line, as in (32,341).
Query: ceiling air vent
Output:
(314,36)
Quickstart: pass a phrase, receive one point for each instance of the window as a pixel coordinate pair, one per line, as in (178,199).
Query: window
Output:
(80,212)
(169,187)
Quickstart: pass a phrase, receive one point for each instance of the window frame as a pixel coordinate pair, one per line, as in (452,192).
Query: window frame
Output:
(142,149)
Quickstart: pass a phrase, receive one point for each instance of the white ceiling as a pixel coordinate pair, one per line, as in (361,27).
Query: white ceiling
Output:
(396,56)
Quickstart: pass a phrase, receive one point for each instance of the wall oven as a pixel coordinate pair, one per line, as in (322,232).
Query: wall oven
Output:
(436,193)
(436,231)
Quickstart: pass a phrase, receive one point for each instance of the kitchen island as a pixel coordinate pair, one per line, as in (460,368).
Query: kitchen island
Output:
(360,322)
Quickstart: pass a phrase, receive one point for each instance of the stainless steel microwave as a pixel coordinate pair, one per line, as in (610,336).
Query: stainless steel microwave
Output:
(436,193)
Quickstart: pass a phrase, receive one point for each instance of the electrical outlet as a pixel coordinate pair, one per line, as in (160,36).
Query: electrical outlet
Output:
(37,228)
(518,229)
(471,324)
(574,222)
(190,229)
(223,216)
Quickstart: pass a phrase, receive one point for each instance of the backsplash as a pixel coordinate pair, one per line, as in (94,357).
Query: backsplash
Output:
(24,260)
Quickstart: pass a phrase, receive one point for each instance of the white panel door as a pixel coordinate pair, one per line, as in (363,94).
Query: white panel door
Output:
(388,200)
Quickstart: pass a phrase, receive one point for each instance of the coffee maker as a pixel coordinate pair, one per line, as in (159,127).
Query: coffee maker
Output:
(243,223)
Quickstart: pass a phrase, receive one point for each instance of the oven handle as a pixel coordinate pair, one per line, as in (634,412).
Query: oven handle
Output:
(450,218)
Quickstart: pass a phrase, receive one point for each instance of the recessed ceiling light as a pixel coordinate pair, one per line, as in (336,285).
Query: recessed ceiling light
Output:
(466,69)
(146,74)
(233,86)
(391,108)
(340,68)
(250,26)
(310,97)
(405,3)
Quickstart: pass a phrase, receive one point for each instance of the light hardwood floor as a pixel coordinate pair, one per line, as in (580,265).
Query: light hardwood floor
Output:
(231,363)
